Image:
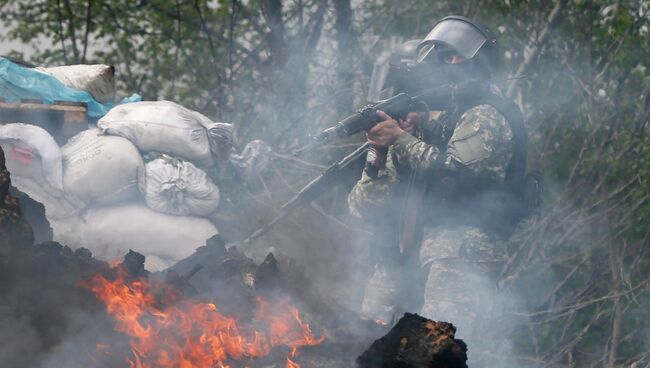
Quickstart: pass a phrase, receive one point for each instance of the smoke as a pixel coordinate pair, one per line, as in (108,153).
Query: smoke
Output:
(46,319)
(20,342)
(337,253)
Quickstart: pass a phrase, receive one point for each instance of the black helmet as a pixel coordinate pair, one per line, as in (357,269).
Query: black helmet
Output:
(392,76)
(474,45)
(404,55)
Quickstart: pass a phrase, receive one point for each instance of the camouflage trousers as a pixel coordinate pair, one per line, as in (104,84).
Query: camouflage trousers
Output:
(461,293)
(459,265)
(461,287)
(462,264)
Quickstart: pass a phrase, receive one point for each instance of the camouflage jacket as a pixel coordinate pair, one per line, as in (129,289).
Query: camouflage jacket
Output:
(480,146)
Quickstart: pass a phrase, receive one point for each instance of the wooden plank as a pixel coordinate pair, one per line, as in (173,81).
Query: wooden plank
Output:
(76,117)
(70,103)
(72,107)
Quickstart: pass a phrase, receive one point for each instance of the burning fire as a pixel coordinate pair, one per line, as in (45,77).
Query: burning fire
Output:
(194,334)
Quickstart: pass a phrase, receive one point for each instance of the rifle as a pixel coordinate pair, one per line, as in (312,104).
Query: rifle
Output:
(437,98)
(397,106)
(364,119)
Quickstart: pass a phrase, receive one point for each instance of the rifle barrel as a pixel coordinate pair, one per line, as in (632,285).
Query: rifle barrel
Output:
(310,191)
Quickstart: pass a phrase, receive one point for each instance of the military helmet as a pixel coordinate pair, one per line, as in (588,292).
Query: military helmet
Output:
(404,55)
(473,42)
(391,75)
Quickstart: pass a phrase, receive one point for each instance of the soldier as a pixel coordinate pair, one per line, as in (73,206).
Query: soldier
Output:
(449,182)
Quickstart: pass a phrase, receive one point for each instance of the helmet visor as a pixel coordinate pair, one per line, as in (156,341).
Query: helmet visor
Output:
(457,34)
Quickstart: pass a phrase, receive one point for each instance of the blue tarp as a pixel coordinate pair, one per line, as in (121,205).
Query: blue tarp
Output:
(17,82)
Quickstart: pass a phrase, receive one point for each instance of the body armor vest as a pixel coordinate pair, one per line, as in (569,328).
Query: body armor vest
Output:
(463,198)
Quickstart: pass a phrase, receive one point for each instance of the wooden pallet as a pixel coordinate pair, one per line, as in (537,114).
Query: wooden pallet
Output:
(73,112)
(62,119)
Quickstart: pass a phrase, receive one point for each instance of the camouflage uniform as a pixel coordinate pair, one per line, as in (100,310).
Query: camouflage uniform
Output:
(457,254)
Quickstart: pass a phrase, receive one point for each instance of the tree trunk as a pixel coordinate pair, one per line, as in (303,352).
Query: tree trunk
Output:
(345,37)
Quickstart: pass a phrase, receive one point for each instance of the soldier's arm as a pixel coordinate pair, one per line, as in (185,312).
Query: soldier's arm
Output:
(481,142)
(372,194)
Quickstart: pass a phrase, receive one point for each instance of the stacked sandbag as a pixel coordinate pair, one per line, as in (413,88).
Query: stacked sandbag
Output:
(34,160)
(98,80)
(109,200)
(109,232)
(188,141)
(101,169)
(178,187)
(32,152)
(95,193)
(161,126)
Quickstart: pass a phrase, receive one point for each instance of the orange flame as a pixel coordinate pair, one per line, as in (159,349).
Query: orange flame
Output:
(194,334)
(291,363)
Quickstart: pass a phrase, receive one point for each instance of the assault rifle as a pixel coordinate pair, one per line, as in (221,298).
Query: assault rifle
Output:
(397,106)
(437,98)
(364,119)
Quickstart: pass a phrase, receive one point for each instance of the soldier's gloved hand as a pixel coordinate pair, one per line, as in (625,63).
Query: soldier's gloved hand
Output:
(386,132)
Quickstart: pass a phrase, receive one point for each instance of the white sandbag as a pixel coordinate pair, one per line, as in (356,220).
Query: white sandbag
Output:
(220,136)
(110,232)
(68,231)
(32,152)
(98,79)
(253,159)
(161,126)
(102,169)
(179,188)
(58,205)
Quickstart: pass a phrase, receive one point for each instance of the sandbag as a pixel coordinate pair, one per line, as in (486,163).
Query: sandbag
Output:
(68,231)
(179,188)
(32,152)
(220,136)
(58,204)
(109,232)
(98,79)
(161,126)
(252,160)
(18,83)
(102,169)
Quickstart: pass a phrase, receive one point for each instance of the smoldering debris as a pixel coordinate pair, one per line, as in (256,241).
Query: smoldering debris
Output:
(233,281)
(60,324)
(48,321)
(15,231)
(54,316)
(417,342)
